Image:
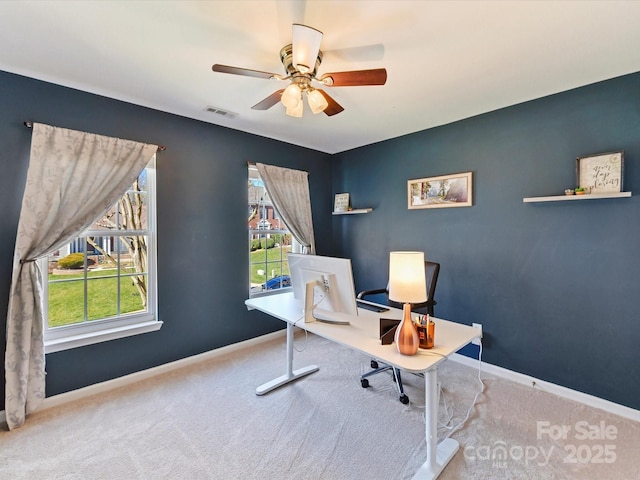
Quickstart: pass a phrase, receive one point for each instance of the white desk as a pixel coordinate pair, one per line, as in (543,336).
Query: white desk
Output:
(364,335)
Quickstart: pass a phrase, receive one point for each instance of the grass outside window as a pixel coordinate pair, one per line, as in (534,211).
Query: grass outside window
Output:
(273,264)
(66,298)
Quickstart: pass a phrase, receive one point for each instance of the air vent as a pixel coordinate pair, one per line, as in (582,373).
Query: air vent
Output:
(220,111)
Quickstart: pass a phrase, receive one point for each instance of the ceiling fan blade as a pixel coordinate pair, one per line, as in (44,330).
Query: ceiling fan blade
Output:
(243,71)
(377,76)
(268,102)
(334,107)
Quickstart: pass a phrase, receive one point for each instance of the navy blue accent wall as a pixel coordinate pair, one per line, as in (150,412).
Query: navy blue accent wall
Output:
(554,285)
(202,230)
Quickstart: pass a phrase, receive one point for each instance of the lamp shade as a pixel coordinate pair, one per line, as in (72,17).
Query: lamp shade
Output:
(407,278)
(305,45)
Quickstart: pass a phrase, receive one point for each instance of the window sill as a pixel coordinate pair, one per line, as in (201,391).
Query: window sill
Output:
(266,293)
(81,340)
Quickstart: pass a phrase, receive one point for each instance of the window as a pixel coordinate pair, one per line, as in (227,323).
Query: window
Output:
(269,242)
(102,285)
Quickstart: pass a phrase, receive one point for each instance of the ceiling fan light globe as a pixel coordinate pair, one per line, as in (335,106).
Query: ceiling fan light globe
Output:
(290,102)
(291,96)
(317,102)
(295,111)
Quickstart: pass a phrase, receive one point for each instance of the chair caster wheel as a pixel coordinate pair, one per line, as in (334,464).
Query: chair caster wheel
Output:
(374,364)
(364,382)
(404,399)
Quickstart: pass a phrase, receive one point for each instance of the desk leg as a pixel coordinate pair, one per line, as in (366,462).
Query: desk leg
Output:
(291,375)
(438,456)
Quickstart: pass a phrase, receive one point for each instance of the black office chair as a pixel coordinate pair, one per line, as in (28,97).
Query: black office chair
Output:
(432,269)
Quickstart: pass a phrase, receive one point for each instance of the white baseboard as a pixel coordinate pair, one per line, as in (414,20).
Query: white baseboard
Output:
(103,387)
(549,387)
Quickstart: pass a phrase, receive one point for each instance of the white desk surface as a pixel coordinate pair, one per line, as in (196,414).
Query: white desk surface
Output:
(363,333)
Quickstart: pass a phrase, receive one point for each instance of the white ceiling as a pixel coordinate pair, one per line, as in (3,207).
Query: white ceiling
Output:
(446,60)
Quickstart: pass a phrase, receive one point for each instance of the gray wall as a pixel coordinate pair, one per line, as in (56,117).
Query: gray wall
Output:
(555,285)
(202,229)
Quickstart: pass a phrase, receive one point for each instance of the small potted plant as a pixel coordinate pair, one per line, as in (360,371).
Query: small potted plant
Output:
(580,191)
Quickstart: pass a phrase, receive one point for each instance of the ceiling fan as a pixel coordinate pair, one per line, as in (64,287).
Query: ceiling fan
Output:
(301,60)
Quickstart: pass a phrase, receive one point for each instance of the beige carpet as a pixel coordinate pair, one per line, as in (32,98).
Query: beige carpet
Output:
(205,422)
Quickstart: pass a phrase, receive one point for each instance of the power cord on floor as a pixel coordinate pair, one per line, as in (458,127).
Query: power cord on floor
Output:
(475,399)
(448,411)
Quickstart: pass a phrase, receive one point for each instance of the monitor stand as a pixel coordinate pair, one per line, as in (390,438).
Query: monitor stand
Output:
(312,314)
(327,316)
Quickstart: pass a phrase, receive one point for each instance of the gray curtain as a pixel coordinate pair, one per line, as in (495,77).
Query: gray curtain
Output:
(289,192)
(73,179)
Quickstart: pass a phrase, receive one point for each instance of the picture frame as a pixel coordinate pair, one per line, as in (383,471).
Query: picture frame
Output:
(341,202)
(601,173)
(445,191)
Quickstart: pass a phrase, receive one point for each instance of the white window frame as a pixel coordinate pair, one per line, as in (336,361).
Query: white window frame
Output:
(96,331)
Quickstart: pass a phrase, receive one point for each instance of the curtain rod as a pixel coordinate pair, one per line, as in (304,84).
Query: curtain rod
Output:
(161,148)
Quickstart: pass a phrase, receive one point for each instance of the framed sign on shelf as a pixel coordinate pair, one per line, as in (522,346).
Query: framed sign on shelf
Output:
(601,173)
(341,203)
(455,190)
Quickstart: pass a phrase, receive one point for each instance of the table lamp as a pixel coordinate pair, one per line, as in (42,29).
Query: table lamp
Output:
(407,285)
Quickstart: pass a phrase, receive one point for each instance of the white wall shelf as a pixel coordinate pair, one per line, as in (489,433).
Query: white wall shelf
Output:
(563,198)
(355,211)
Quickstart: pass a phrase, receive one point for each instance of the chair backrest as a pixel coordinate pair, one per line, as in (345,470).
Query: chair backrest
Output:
(432,271)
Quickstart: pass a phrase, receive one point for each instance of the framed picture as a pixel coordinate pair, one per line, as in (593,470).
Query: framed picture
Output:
(602,173)
(455,190)
(341,203)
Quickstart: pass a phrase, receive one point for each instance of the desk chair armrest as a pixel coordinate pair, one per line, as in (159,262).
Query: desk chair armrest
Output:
(365,293)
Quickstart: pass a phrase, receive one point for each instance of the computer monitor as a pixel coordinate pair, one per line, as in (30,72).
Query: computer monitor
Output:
(323,286)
